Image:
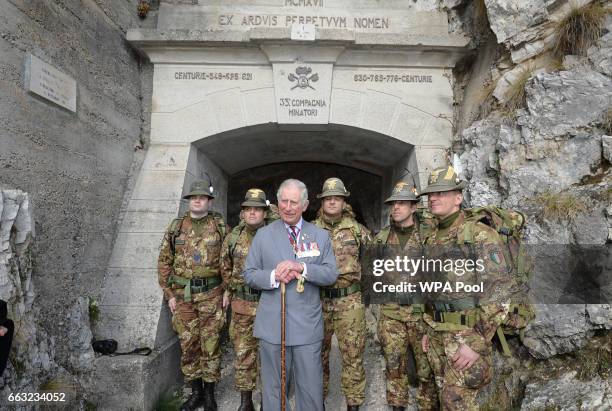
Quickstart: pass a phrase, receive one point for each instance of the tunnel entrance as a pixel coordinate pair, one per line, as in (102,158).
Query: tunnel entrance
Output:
(265,155)
(364,187)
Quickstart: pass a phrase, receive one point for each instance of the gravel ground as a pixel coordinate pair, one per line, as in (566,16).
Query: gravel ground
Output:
(228,399)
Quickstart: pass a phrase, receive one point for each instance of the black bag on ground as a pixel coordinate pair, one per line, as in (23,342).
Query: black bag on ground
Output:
(109,347)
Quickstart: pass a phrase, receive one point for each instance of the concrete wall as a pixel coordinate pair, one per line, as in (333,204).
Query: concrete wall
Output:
(73,165)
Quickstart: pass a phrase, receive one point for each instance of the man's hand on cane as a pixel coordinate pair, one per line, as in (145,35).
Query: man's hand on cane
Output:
(287,270)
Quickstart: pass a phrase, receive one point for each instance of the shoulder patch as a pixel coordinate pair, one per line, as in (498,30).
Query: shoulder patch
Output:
(496,256)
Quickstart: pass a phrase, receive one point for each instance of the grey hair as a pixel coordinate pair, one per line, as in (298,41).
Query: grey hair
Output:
(292,182)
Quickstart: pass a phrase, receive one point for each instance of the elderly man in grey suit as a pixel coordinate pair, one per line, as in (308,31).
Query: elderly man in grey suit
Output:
(283,252)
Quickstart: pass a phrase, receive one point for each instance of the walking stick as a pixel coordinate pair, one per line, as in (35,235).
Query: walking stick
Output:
(283,349)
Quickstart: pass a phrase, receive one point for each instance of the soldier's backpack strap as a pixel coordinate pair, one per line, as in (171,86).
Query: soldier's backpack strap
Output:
(503,342)
(466,235)
(383,235)
(175,231)
(220,224)
(425,223)
(356,230)
(465,238)
(233,239)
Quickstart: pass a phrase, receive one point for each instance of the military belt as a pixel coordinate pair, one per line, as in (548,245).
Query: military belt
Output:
(340,292)
(408,299)
(418,308)
(195,285)
(244,292)
(455,305)
(457,316)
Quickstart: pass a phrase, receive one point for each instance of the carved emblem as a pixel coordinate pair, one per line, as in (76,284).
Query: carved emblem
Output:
(303,77)
(331,184)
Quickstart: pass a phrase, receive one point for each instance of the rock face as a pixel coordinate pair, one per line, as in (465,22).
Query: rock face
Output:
(32,362)
(511,18)
(556,145)
(526,28)
(560,329)
(551,147)
(566,393)
(74,166)
(601,56)
(33,351)
(565,102)
(606,142)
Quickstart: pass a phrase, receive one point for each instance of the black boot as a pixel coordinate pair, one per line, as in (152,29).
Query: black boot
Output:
(196,398)
(398,408)
(352,408)
(246,401)
(209,396)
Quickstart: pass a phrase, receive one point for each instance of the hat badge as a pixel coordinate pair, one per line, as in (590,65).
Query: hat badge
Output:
(399,187)
(255,192)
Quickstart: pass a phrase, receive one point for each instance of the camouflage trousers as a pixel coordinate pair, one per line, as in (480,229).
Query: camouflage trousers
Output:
(458,389)
(198,324)
(397,335)
(345,317)
(245,348)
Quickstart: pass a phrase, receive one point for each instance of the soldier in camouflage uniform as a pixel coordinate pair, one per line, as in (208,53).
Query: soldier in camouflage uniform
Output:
(243,298)
(460,329)
(343,311)
(400,325)
(189,276)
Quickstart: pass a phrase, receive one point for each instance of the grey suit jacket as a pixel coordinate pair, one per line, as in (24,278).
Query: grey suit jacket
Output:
(304,320)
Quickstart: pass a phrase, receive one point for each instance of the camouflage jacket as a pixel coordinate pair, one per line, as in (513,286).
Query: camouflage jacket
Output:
(497,277)
(393,240)
(394,310)
(196,252)
(347,236)
(233,257)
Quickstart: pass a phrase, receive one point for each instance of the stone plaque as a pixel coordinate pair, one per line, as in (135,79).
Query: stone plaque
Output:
(50,83)
(304,32)
(364,16)
(303,92)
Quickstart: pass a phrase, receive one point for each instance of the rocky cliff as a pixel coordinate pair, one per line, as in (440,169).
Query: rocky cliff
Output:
(533,135)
